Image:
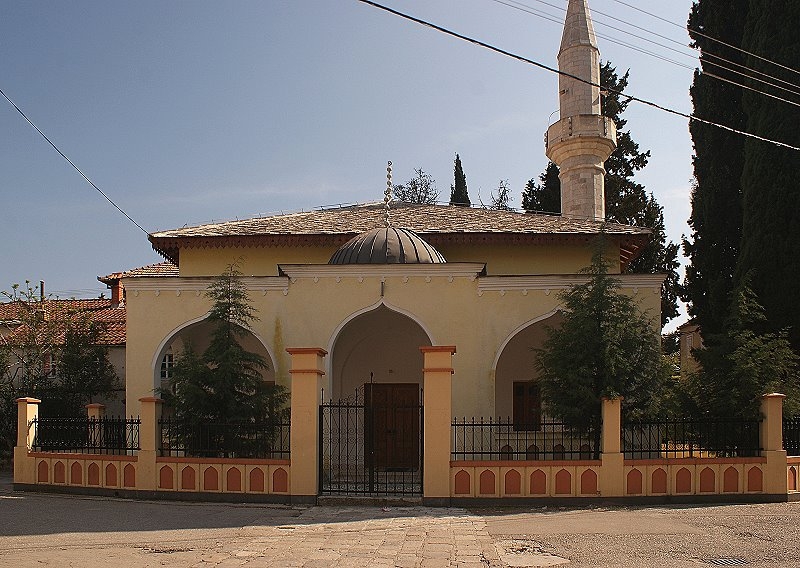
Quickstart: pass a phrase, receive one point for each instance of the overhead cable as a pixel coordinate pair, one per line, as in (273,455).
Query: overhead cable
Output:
(708,37)
(71,163)
(571,76)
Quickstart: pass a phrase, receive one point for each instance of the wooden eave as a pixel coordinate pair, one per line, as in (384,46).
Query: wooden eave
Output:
(630,245)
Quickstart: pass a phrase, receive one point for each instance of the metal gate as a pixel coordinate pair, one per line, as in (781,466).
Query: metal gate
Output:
(371,443)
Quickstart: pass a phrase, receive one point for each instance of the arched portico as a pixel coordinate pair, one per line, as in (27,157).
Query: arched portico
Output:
(379,346)
(197,333)
(516,392)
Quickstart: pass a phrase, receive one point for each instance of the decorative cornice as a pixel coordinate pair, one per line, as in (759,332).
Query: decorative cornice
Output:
(448,270)
(563,282)
(262,284)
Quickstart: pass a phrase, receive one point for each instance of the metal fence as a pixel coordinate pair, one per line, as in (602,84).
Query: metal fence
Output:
(491,440)
(224,439)
(691,438)
(791,435)
(106,435)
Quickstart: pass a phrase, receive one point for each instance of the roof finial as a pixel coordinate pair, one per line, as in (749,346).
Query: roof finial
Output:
(387,195)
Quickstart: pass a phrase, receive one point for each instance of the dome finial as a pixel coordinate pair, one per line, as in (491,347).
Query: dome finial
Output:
(387,195)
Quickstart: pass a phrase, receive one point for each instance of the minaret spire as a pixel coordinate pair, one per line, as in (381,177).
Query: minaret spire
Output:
(582,139)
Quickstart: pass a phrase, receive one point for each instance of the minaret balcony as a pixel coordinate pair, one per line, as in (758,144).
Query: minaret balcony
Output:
(581,134)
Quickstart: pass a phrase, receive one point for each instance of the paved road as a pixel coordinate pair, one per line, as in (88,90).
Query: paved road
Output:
(51,530)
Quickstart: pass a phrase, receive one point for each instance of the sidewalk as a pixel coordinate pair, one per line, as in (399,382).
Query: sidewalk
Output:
(53,530)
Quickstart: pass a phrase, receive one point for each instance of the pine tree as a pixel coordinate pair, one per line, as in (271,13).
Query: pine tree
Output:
(458,191)
(626,201)
(716,218)
(605,347)
(770,245)
(742,363)
(83,369)
(224,384)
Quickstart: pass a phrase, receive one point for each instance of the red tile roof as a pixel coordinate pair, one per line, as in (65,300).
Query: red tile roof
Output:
(99,310)
(162,269)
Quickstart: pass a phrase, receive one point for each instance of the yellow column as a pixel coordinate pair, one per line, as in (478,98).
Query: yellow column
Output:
(775,474)
(306,371)
(95,410)
(149,434)
(612,471)
(438,409)
(25,466)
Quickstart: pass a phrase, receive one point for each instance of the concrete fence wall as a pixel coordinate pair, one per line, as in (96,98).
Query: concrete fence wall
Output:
(771,476)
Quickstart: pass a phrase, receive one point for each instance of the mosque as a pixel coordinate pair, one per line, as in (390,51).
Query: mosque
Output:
(370,284)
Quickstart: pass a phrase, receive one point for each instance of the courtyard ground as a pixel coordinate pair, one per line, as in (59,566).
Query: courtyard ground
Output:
(64,531)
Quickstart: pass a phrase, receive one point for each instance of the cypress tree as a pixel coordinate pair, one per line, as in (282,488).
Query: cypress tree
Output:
(716,218)
(770,245)
(458,191)
(544,196)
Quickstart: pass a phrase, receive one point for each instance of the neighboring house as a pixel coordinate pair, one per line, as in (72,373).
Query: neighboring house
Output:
(690,339)
(109,313)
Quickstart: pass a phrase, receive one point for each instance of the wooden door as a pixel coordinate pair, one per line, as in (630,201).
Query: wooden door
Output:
(395,413)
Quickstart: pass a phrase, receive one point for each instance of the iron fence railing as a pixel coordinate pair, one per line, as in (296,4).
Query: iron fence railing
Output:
(691,438)
(224,439)
(791,435)
(106,435)
(502,439)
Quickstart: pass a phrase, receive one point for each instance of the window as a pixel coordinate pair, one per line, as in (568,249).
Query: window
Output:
(527,406)
(166,367)
(48,366)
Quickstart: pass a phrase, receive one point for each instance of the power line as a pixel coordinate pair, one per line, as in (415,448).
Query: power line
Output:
(71,163)
(575,77)
(708,37)
(530,10)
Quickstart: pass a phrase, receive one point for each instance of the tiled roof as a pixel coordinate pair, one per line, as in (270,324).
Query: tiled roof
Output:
(162,269)
(423,219)
(99,310)
(438,224)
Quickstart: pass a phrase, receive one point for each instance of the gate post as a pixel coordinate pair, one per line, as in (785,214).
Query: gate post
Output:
(24,465)
(612,469)
(771,438)
(306,372)
(149,443)
(438,414)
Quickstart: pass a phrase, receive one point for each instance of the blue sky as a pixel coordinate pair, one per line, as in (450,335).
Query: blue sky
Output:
(188,112)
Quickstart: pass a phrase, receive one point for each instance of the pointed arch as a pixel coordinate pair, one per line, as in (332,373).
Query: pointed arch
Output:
(169,338)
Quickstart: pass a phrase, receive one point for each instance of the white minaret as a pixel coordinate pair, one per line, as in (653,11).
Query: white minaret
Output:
(583,138)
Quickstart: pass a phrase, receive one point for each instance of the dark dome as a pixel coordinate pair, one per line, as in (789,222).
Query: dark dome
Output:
(387,245)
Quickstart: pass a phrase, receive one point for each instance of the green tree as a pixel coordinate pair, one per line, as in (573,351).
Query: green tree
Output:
(8,408)
(458,191)
(626,201)
(420,189)
(716,218)
(770,242)
(83,369)
(224,384)
(606,346)
(743,363)
(544,196)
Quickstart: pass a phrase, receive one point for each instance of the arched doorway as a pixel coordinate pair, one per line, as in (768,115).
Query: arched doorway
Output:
(379,347)
(371,424)
(198,335)
(517,397)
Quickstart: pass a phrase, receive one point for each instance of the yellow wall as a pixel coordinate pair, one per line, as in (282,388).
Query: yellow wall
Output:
(499,259)
(307,309)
